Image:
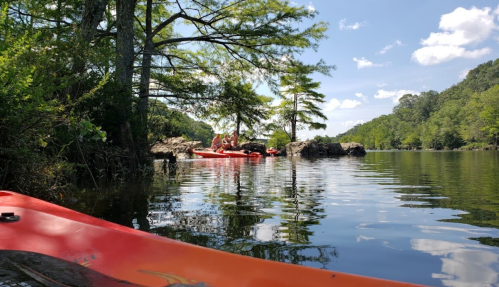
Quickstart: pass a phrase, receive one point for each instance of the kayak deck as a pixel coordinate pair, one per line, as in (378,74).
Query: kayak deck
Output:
(116,253)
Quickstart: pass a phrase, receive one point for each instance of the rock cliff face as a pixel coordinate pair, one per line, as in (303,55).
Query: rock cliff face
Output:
(313,149)
(177,147)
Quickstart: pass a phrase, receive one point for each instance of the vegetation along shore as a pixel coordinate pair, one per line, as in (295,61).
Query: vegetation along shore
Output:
(89,86)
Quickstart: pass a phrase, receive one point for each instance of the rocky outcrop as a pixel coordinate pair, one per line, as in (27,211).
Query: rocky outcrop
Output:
(181,148)
(253,146)
(355,149)
(314,149)
(177,147)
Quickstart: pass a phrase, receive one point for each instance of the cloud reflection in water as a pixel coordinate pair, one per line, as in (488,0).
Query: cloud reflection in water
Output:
(463,265)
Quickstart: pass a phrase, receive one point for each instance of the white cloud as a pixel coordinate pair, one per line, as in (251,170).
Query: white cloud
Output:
(395,95)
(345,104)
(463,27)
(364,63)
(389,47)
(463,73)
(360,95)
(354,26)
(352,123)
(439,54)
(311,8)
(381,85)
(349,104)
(459,28)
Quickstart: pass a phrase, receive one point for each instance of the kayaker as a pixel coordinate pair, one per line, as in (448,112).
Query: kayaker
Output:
(215,143)
(233,139)
(226,142)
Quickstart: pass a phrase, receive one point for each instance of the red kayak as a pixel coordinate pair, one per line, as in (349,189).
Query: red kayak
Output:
(42,244)
(272,151)
(225,153)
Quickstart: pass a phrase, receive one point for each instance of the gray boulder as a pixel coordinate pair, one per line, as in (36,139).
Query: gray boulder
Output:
(355,149)
(313,149)
(177,147)
(253,146)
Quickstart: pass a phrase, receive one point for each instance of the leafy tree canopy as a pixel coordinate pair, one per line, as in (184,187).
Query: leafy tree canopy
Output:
(300,109)
(239,106)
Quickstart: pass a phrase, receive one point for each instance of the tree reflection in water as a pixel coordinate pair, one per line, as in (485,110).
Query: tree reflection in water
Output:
(273,250)
(259,208)
(302,208)
(241,212)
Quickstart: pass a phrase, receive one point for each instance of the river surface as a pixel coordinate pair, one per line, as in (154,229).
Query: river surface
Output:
(427,217)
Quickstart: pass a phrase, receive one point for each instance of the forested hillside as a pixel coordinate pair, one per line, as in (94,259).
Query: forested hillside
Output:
(465,115)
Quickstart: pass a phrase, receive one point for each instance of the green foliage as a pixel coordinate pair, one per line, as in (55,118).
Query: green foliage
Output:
(475,146)
(299,109)
(416,109)
(481,116)
(325,139)
(75,85)
(377,134)
(483,77)
(165,123)
(278,139)
(28,148)
(87,129)
(219,40)
(441,131)
(490,114)
(48,135)
(239,106)
(463,116)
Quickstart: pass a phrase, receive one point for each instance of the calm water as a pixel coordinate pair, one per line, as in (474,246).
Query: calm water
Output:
(421,217)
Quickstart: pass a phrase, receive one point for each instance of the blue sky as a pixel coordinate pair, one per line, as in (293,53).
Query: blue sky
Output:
(384,49)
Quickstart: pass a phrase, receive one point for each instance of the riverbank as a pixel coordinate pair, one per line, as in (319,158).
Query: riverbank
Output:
(181,148)
(465,148)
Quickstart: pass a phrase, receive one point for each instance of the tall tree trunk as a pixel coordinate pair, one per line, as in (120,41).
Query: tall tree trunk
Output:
(124,43)
(124,75)
(93,15)
(145,75)
(238,124)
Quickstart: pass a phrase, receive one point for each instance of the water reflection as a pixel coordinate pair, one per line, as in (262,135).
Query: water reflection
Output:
(457,180)
(237,206)
(463,265)
(421,217)
(128,206)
